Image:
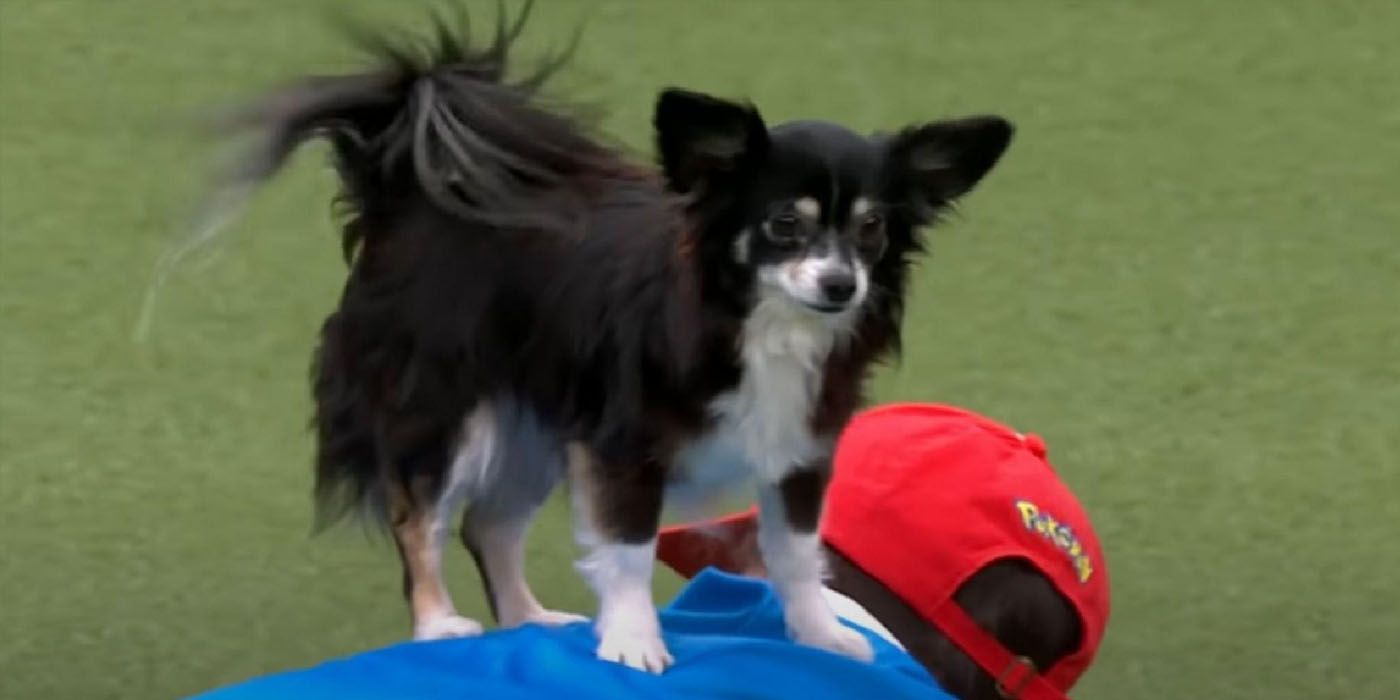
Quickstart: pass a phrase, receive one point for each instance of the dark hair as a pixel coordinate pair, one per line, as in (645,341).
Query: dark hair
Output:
(1008,598)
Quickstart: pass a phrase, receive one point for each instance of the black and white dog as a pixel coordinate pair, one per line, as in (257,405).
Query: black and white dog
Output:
(525,304)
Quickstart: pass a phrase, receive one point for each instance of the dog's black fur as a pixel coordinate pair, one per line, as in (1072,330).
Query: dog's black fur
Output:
(499,249)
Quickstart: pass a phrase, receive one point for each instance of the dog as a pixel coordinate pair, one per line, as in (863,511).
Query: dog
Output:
(526,304)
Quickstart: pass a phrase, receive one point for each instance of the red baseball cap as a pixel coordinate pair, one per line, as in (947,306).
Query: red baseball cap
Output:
(922,496)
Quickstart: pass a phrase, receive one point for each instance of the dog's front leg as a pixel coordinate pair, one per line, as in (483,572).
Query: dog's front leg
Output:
(617,510)
(787,537)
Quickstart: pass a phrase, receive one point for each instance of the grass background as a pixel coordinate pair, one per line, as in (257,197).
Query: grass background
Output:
(1184,275)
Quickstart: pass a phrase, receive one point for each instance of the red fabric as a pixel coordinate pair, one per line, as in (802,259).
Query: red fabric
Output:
(720,543)
(922,496)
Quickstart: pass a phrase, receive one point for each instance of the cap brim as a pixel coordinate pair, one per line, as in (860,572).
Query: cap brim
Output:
(726,543)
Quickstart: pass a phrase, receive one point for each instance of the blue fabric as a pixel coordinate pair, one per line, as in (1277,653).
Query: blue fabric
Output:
(726,633)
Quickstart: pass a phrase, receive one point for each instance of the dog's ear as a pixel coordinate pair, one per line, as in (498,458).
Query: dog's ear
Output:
(933,164)
(702,139)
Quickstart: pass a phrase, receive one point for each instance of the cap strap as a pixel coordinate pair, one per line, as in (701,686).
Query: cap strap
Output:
(1016,676)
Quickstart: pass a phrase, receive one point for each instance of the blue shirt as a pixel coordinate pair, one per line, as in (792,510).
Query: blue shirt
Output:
(725,632)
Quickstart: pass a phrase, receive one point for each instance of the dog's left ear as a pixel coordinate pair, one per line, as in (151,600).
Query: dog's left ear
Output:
(936,163)
(702,139)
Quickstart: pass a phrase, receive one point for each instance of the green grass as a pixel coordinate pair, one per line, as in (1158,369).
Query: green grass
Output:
(1184,275)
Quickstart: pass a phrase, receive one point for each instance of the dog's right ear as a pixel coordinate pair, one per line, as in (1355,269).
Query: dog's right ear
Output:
(932,165)
(702,140)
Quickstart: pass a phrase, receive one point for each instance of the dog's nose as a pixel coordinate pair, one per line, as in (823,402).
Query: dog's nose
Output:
(838,287)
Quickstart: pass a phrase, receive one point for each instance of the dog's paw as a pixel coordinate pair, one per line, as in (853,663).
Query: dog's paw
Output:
(554,618)
(643,651)
(840,639)
(540,616)
(445,627)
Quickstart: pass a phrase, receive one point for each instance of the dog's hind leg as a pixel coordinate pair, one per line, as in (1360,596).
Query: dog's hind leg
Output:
(617,510)
(431,482)
(418,532)
(497,545)
(512,482)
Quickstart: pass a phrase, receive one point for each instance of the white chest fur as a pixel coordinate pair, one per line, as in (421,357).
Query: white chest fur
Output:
(763,427)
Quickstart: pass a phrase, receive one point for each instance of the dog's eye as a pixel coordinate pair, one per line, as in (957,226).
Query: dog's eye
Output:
(871,226)
(784,228)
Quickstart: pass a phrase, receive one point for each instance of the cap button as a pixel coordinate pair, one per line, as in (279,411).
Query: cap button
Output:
(1034,444)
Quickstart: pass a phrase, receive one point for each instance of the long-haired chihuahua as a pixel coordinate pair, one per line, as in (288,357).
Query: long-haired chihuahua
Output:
(525,304)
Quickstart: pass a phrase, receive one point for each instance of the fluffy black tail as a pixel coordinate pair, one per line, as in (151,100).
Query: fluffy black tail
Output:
(436,118)
(434,122)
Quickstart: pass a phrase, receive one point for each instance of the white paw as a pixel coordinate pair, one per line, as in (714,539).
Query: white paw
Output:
(554,618)
(643,651)
(839,639)
(445,627)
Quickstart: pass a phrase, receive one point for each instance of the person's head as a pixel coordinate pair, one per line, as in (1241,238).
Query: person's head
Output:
(954,532)
(1009,599)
